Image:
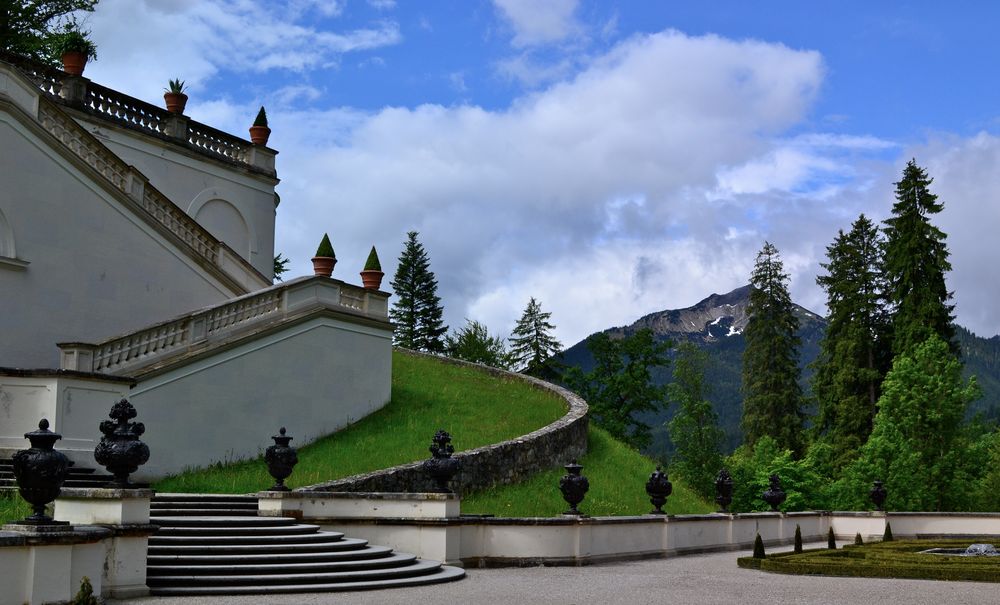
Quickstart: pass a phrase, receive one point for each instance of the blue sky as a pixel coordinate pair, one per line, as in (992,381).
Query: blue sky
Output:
(608,158)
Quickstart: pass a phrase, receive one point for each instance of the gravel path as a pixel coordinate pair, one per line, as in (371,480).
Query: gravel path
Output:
(691,580)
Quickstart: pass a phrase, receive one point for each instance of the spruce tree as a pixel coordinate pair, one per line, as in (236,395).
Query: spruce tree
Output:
(772,397)
(916,260)
(532,344)
(417,311)
(694,429)
(855,352)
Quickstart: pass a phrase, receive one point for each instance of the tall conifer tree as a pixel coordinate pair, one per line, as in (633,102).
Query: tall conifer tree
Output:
(417,312)
(856,351)
(916,259)
(772,397)
(532,344)
(694,429)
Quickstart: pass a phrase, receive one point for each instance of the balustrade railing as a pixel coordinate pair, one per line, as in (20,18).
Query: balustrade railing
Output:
(123,353)
(219,143)
(125,110)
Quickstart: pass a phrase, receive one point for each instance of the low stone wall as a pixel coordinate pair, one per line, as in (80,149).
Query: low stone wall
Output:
(506,462)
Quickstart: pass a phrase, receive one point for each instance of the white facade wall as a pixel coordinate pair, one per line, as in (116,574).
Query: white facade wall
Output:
(313,378)
(87,267)
(236,205)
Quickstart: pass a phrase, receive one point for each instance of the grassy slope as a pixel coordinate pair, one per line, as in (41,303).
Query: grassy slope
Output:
(476,407)
(12,506)
(617,476)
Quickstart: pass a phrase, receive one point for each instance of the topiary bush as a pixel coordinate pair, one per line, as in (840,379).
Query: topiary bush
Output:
(758,548)
(325,249)
(857,539)
(831,540)
(798,538)
(887,534)
(372,263)
(85,596)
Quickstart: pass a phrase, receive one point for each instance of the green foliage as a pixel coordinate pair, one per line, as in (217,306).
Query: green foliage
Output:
(620,386)
(857,539)
(532,344)
(617,474)
(987,450)
(475,406)
(694,429)
(855,352)
(325,249)
(261,119)
(831,540)
(751,468)
(85,596)
(916,260)
(918,446)
(758,548)
(474,343)
(280,266)
(901,559)
(372,263)
(12,507)
(73,39)
(417,312)
(887,534)
(36,29)
(772,397)
(175,86)
(797,547)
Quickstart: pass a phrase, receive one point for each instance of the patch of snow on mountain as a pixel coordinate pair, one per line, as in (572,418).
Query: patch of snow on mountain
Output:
(716,321)
(733,331)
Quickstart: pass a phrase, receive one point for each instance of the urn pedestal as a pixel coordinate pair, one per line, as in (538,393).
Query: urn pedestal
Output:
(40,472)
(574,487)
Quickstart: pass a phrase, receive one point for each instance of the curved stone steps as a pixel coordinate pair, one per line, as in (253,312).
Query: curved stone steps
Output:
(226,554)
(444,574)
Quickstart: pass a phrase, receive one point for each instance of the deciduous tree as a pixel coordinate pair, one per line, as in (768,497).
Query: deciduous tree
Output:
(474,343)
(694,429)
(29,28)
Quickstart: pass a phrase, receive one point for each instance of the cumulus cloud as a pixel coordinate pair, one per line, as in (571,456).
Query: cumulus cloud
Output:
(539,22)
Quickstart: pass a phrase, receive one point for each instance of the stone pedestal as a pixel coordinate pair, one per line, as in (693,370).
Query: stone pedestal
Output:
(45,564)
(125,512)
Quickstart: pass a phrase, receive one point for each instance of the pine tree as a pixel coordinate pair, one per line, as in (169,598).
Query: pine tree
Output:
(855,351)
(417,311)
(531,343)
(694,429)
(916,260)
(772,397)
(474,343)
(620,385)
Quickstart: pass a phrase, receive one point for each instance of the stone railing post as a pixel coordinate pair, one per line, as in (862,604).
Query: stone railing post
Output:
(135,184)
(77,356)
(74,90)
(176,126)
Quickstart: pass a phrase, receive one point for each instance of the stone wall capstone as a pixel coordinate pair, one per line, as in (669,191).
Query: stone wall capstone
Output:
(509,461)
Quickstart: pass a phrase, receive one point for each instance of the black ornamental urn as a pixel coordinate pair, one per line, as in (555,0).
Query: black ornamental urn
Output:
(40,472)
(281,458)
(574,487)
(658,487)
(441,466)
(878,494)
(120,450)
(724,490)
(774,495)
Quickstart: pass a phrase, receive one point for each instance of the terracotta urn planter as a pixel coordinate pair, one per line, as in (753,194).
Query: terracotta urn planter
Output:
(175,101)
(74,62)
(372,280)
(323,265)
(259,135)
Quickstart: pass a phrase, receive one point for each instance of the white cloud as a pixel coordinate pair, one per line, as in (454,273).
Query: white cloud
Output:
(539,22)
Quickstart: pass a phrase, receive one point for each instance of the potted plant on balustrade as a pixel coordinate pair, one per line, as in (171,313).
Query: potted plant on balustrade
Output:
(371,277)
(325,258)
(259,132)
(174,96)
(74,47)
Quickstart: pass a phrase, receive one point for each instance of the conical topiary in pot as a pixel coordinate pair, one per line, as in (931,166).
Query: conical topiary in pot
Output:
(372,276)
(325,258)
(174,96)
(259,132)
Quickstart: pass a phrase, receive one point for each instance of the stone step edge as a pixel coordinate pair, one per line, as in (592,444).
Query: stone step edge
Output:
(446,573)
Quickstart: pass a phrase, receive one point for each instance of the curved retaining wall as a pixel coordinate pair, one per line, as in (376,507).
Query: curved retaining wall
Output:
(506,462)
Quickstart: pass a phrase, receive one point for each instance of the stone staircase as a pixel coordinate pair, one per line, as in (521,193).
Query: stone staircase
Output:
(78,476)
(217,545)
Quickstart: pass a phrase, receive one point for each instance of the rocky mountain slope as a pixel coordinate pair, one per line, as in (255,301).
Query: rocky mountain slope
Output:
(716,324)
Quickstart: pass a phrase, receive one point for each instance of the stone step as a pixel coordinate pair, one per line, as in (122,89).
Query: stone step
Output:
(222,522)
(204,498)
(418,568)
(158,513)
(238,532)
(157,504)
(180,546)
(307,536)
(444,574)
(240,568)
(366,552)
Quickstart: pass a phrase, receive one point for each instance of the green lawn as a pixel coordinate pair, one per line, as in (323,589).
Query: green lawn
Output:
(617,476)
(12,506)
(476,407)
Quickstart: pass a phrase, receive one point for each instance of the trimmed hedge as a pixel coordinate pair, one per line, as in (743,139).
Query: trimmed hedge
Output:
(897,559)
